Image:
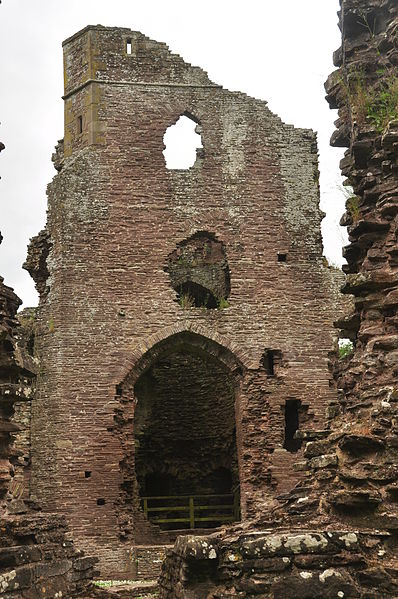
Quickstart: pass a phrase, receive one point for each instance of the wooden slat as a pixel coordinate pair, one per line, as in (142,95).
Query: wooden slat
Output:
(190,508)
(215,518)
(178,508)
(228,506)
(167,520)
(186,496)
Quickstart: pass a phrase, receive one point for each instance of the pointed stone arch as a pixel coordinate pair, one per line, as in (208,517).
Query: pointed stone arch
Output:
(131,362)
(195,381)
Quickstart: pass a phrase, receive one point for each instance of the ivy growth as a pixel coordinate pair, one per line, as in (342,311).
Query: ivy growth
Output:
(222,303)
(352,205)
(346,348)
(377,106)
(382,106)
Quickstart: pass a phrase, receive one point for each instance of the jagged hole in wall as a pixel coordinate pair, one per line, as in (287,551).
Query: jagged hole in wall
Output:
(182,141)
(199,272)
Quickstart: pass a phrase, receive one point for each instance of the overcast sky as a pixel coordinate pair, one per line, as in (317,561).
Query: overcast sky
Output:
(276,51)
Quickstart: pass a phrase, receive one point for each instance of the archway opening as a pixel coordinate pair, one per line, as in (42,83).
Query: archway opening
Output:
(186,462)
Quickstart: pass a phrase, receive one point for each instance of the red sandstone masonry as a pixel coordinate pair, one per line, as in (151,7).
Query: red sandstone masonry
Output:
(350,491)
(37,559)
(115,215)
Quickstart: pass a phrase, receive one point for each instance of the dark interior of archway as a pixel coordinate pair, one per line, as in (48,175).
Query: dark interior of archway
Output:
(185,441)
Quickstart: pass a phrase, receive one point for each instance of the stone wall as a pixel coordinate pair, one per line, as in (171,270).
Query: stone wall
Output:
(278,565)
(9,376)
(37,559)
(351,473)
(108,268)
(349,488)
(365,89)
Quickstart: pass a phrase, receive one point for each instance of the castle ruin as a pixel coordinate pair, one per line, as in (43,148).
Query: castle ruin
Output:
(186,315)
(187,383)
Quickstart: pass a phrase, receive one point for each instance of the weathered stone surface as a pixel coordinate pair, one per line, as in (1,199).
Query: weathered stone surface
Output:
(360,444)
(36,262)
(141,590)
(36,558)
(358,487)
(196,286)
(297,565)
(103,337)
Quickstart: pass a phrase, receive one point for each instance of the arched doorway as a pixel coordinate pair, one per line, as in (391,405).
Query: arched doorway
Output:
(185,447)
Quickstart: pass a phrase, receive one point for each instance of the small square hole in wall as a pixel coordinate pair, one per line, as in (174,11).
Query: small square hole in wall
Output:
(100,501)
(282,257)
(119,390)
(80,124)
(129,47)
(87,473)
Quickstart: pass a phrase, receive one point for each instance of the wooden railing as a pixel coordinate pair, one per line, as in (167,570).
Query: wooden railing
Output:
(193,510)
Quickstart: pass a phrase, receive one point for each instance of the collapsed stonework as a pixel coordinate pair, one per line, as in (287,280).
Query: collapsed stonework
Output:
(185,320)
(277,564)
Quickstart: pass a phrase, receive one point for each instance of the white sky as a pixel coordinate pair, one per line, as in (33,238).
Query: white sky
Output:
(276,51)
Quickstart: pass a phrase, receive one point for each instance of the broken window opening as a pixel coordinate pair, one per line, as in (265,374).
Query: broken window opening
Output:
(80,124)
(129,46)
(292,409)
(182,140)
(192,294)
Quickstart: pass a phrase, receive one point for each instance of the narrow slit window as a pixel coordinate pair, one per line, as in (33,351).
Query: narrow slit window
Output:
(269,363)
(80,124)
(292,412)
(129,47)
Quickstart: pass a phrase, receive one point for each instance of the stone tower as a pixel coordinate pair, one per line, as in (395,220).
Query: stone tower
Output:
(185,315)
